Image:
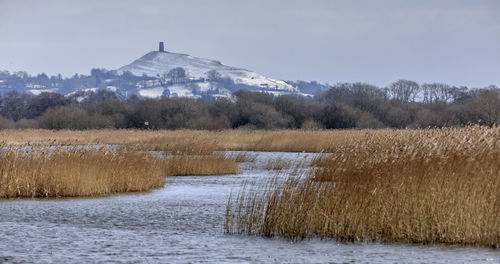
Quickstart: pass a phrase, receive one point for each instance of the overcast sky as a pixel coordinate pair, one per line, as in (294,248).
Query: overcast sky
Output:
(377,41)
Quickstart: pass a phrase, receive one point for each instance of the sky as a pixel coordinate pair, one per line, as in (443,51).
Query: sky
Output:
(374,41)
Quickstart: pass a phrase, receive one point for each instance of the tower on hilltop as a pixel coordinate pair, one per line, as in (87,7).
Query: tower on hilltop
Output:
(162,47)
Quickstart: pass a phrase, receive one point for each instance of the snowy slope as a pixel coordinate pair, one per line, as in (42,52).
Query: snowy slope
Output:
(158,63)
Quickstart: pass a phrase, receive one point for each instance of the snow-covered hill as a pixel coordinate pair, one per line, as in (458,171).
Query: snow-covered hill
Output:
(156,74)
(202,71)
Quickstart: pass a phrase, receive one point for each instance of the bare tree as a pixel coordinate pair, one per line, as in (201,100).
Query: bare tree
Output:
(404,91)
(177,74)
(488,103)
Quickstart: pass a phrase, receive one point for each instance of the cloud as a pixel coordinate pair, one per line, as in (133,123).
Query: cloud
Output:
(324,40)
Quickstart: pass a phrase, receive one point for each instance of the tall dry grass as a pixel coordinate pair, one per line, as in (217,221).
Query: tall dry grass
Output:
(187,141)
(29,172)
(244,156)
(413,186)
(201,165)
(278,164)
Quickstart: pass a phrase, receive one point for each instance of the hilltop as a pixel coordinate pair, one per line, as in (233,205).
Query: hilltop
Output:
(184,75)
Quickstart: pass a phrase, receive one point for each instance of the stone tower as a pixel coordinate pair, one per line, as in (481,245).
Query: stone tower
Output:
(162,48)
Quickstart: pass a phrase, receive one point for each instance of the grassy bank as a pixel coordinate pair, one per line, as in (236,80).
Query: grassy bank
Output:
(412,186)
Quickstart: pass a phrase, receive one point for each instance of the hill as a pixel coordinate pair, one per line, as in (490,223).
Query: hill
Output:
(156,74)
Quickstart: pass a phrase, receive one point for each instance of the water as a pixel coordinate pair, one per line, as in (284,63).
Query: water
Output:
(182,223)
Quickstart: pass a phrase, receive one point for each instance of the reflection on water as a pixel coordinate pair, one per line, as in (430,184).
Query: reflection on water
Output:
(182,223)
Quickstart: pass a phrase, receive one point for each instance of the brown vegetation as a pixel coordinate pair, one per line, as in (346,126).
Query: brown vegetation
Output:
(214,164)
(243,156)
(278,164)
(414,186)
(29,172)
(43,172)
(190,141)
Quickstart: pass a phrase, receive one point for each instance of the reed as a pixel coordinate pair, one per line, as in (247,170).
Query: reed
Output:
(278,164)
(187,141)
(412,186)
(32,172)
(244,156)
(202,165)
(27,172)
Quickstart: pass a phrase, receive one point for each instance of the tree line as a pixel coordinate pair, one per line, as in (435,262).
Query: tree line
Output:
(345,105)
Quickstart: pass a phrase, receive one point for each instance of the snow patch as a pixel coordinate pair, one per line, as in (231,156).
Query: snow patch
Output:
(180,91)
(111,88)
(205,86)
(152,92)
(39,91)
(90,90)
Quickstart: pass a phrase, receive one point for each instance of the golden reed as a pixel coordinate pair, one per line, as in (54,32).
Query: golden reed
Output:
(28,172)
(412,186)
(186,140)
(202,165)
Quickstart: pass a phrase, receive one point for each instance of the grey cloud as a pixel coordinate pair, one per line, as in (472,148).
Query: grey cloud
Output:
(453,41)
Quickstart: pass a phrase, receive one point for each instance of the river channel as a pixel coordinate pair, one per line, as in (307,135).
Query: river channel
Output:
(183,222)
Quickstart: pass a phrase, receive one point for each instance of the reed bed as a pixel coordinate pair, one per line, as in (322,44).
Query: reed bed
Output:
(278,164)
(202,165)
(197,140)
(27,172)
(411,186)
(244,156)
(35,172)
